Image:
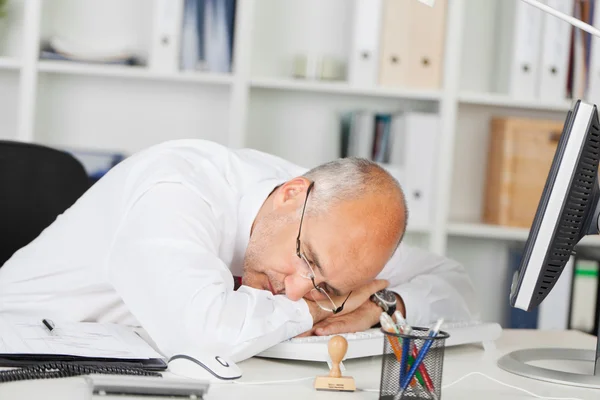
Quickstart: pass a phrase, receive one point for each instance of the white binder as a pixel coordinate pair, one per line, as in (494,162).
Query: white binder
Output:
(363,61)
(166,36)
(593,94)
(362,133)
(519,40)
(554,55)
(413,156)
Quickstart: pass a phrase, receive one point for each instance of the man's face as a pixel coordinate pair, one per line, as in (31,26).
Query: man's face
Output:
(347,246)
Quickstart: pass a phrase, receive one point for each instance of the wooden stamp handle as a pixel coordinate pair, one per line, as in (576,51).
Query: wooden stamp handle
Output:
(338,345)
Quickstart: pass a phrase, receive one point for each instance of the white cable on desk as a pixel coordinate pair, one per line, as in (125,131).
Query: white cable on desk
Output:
(510,386)
(443,387)
(263,382)
(275,382)
(497,381)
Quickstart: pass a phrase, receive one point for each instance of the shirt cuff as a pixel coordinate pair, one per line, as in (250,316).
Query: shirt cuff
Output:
(417,309)
(306,319)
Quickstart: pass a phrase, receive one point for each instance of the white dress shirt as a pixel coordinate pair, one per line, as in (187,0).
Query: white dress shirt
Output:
(156,242)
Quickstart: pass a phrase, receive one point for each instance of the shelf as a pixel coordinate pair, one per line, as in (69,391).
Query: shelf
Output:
(343,88)
(119,71)
(500,100)
(483,231)
(487,231)
(9,63)
(418,230)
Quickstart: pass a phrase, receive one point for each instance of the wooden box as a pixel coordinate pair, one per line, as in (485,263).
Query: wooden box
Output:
(520,154)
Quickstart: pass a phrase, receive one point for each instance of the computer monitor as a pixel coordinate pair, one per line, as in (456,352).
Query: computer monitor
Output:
(567,211)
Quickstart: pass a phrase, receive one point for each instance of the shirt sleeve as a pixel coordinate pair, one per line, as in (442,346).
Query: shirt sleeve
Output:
(430,285)
(165,265)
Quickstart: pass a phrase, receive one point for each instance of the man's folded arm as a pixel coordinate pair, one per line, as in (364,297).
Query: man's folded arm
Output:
(431,286)
(164,264)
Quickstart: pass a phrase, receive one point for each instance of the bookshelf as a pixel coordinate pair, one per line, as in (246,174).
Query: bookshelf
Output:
(500,100)
(7,63)
(343,88)
(117,71)
(260,105)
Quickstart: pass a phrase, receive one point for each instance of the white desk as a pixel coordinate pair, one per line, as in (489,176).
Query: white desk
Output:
(459,361)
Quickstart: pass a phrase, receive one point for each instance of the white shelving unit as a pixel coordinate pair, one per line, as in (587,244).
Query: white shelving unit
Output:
(117,71)
(8,63)
(260,105)
(499,100)
(343,88)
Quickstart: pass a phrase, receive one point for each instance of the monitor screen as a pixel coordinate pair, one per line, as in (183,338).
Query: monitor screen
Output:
(566,211)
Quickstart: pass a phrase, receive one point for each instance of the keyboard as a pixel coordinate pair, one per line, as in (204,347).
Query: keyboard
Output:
(370,342)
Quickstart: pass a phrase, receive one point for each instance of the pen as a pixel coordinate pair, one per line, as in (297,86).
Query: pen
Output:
(48,324)
(407,330)
(422,369)
(388,324)
(405,353)
(421,356)
(391,329)
(400,321)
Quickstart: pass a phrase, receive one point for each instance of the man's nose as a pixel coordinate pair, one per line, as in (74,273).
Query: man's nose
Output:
(296,287)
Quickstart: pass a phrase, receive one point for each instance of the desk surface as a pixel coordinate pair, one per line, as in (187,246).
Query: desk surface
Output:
(366,372)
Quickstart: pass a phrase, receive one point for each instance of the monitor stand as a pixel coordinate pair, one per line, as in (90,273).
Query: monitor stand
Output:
(517,363)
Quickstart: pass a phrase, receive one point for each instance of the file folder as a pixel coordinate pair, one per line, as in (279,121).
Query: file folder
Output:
(363,63)
(393,63)
(362,134)
(593,94)
(518,39)
(427,28)
(25,341)
(413,158)
(166,36)
(555,51)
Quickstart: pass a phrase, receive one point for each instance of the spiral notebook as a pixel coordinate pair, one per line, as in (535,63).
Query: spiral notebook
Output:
(27,340)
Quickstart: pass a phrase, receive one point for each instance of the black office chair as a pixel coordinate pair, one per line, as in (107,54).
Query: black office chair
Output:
(37,184)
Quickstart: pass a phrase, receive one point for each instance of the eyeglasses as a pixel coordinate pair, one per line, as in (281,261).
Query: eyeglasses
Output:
(318,294)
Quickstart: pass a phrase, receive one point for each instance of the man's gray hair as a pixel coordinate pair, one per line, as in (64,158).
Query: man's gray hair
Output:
(347,179)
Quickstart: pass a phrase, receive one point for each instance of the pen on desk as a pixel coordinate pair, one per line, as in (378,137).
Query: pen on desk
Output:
(48,324)
(421,356)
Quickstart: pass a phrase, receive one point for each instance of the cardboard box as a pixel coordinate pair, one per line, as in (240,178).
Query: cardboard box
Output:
(520,155)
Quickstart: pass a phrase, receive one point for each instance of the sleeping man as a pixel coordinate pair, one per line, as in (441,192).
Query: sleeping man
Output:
(160,240)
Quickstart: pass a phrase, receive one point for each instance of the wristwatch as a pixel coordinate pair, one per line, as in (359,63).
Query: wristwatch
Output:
(385,299)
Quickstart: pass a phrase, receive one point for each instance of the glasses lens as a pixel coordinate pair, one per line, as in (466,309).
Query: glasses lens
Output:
(322,300)
(305,269)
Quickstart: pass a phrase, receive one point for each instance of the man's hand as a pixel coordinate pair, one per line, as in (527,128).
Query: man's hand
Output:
(356,300)
(363,318)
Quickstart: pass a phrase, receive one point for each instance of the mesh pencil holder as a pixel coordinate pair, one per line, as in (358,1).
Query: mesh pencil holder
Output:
(406,350)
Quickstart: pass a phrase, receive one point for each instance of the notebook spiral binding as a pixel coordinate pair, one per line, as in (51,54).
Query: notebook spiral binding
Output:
(52,370)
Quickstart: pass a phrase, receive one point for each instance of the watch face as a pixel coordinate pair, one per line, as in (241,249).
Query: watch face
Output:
(387,296)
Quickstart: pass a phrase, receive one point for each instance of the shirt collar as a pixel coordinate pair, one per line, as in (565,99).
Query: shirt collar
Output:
(250,203)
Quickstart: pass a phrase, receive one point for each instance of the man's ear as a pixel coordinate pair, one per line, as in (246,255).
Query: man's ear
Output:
(291,192)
